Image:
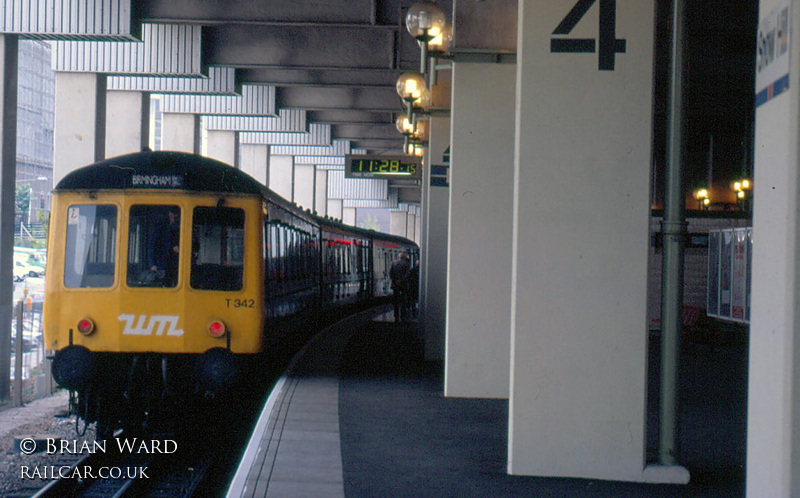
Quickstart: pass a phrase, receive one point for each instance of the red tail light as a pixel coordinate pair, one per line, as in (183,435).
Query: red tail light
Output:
(216,328)
(86,326)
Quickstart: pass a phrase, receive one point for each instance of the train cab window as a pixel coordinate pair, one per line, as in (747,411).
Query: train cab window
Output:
(90,252)
(217,248)
(153,246)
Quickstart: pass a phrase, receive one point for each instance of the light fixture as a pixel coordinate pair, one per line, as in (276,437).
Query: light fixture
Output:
(703,201)
(406,127)
(421,130)
(425,21)
(439,46)
(414,132)
(411,88)
(743,189)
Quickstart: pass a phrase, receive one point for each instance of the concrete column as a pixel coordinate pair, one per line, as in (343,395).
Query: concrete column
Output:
(335,208)
(180,132)
(481,188)
(8,151)
(773,418)
(349,216)
(321,194)
(281,175)
(79,122)
(127,122)
(581,218)
(398,223)
(304,185)
(436,212)
(223,146)
(255,161)
(411,226)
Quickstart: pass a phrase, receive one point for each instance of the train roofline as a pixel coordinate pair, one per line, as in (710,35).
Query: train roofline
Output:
(161,170)
(175,170)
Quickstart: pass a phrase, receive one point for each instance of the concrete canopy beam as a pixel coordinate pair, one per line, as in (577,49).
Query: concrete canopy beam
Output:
(337,149)
(320,77)
(288,120)
(76,19)
(318,135)
(351,116)
(165,50)
(364,99)
(256,100)
(288,46)
(220,81)
(267,11)
(373,131)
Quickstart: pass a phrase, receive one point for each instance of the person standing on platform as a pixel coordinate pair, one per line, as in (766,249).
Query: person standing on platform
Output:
(399,275)
(412,290)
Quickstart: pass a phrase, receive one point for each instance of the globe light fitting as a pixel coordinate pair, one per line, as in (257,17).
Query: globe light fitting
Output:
(425,21)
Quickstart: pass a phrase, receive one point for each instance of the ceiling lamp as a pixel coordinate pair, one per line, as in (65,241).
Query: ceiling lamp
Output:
(425,21)
(412,89)
(440,44)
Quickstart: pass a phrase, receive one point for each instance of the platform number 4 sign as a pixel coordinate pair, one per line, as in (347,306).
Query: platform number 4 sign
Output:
(606,45)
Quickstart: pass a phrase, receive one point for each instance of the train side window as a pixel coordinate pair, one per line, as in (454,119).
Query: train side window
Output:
(153,245)
(218,252)
(90,252)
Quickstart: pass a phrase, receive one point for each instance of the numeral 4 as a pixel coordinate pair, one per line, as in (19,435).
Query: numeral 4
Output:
(608,45)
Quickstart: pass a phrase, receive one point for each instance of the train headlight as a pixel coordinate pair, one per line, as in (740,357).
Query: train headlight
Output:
(216,328)
(86,326)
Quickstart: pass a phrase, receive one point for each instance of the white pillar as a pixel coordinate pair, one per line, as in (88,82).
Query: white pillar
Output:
(335,208)
(349,216)
(398,223)
(255,160)
(180,132)
(581,235)
(304,185)
(281,175)
(436,212)
(773,418)
(223,145)
(321,194)
(127,122)
(79,121)
(481,188)
(411,226)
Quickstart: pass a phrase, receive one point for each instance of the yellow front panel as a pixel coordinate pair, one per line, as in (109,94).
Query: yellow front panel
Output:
(168,320)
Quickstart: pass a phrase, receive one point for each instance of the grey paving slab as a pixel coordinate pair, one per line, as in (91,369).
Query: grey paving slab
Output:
(321,436)
(290,489)
(299,451)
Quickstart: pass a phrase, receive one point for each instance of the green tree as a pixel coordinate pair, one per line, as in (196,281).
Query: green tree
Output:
(23,201)
(371,223)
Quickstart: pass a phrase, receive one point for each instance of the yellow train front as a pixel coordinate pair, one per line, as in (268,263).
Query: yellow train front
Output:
(155,282)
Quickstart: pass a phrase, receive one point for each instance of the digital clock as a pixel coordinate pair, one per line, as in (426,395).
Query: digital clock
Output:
(401,167)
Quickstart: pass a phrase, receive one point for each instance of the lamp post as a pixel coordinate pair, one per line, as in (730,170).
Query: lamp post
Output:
(703,201)
(439,46)
(411,88)
(425,21)
(744,190)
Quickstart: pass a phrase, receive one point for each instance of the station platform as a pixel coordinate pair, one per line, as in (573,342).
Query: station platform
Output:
(360,413)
